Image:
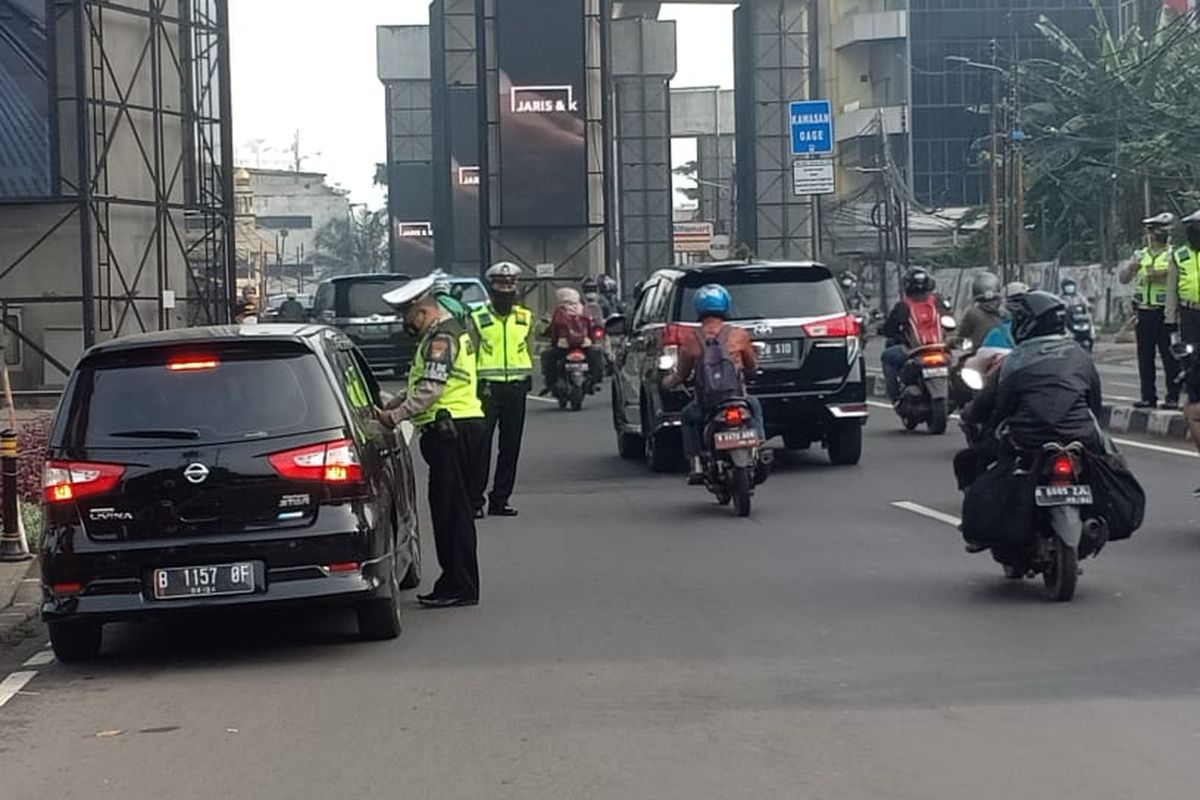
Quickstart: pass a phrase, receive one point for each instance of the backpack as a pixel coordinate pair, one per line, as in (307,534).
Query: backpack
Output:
(718,379)
(925,320)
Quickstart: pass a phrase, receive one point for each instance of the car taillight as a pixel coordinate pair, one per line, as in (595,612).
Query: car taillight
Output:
(1063,467)
(676,333)
(63,481)
(192,364)
(733,416)
(935,358)
(838,327)
(331,462)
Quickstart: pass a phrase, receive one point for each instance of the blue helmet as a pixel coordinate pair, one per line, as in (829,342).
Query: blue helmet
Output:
(712,301)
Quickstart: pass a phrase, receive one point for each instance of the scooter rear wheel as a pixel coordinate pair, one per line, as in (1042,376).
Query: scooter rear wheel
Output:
(1062,573)
(741,491)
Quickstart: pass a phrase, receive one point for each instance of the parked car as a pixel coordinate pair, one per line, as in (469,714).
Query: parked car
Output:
(354,305)
(812,382)
(219,468)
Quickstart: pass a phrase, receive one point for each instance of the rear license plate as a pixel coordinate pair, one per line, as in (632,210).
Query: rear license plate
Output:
(936,372)
(576,365)
(734,440)
(1048,496)
(177,583)
(776,351)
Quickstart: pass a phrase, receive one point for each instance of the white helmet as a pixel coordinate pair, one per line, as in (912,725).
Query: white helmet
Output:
(503,275)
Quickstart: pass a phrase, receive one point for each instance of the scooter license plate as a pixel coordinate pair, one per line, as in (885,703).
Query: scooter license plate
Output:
(576,366)
(1050,496)
(734,440)
(936,372)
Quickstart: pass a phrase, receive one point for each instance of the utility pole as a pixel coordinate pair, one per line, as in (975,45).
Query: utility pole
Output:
(1019,144)
(994,205)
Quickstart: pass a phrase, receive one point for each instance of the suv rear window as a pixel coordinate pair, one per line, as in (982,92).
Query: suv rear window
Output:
(137,399)
(769,293)
(365,298)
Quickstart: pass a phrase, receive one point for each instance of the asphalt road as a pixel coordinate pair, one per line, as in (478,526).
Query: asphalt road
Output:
(637,641)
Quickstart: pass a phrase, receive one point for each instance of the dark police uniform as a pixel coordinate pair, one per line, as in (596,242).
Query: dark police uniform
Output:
(505,370)
(446,356)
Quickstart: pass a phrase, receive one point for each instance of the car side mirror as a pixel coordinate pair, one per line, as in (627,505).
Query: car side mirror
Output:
(617,325)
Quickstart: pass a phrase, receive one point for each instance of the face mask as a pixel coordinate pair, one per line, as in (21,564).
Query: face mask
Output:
(1193,236)
(410,326)
(502,302)
(1158,238)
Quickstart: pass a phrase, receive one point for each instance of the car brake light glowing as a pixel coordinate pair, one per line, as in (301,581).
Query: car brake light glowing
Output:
(331,462)
(935,358)
(733,416)
(192,364)
(837,328)
(1063,467)
(70,480)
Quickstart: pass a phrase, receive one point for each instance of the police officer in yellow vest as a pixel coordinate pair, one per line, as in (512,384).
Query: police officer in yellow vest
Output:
(1186,266)
(442,401)
(1149,267)
(505,377)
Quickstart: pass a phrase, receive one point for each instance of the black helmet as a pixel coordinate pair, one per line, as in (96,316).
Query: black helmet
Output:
(1069,287)
(985,287)
(590,285)
(1037,314)
(918,282)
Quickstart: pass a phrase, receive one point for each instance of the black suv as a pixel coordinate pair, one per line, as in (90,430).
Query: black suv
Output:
(812,383)
(354,305)
(223,467)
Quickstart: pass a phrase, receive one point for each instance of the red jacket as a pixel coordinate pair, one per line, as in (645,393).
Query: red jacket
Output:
(575,327)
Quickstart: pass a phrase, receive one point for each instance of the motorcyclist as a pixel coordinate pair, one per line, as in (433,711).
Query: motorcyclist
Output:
(855,299)
(900,332)
(986,311)
(292,310)
(1047,389)
(570,327)
(595,302)
(1187,266)
(712,304)
(611,294)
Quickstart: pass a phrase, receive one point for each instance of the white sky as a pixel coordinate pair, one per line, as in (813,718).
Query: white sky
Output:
(296,66)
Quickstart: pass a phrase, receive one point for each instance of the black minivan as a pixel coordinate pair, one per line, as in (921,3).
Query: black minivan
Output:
(223,467)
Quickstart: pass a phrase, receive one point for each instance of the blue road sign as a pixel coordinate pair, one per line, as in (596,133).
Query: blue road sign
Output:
(812,127)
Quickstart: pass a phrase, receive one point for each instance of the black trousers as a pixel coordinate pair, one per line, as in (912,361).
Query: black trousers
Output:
(451,470)
(1153,337)
(503,407)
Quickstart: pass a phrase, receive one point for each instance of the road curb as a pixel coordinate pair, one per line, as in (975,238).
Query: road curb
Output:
(19,601)
(1122,419)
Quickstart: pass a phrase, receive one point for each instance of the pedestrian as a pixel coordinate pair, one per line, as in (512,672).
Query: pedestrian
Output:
(1183,306)
(1149,267)
(505,378)
(442,402)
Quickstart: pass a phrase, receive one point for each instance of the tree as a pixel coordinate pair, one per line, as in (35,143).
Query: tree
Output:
(357,243)
(1109,121)
(689,170)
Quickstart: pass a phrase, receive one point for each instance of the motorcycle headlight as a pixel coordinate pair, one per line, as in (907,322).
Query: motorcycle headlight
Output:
(972,378)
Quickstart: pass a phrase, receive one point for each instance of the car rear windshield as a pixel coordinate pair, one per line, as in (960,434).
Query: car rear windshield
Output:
(165,397)
(469,293)
(365,298)
(774,293)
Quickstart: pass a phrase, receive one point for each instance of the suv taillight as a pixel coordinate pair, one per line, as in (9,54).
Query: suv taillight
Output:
(836,328)
(331,462)
(63,481)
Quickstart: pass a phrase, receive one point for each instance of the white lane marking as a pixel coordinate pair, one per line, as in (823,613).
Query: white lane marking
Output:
(537,399)
(13,684)
(1157,448)
(40,659)
(925,511)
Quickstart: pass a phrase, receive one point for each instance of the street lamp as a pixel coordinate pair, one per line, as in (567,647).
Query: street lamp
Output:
(1015,138)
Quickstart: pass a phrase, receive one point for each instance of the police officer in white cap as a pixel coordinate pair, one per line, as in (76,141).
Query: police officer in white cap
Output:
(442,401)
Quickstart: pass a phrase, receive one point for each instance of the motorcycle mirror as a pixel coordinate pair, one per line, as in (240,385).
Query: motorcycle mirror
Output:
(966,345)
(949,323)
(616,325)
(972,379)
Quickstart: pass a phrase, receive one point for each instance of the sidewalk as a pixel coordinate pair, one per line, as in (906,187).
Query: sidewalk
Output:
(20,596)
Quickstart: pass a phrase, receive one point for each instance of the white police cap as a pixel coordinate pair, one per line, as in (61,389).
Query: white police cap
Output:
(410,292)
(1163,220)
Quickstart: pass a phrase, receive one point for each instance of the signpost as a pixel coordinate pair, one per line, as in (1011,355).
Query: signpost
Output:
(812,127)
(693,237)
(812,177)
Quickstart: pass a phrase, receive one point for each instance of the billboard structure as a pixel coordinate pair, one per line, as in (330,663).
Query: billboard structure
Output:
(541,56)
(27,168)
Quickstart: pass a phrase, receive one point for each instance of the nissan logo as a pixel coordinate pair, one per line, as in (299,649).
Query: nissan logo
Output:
(196,473)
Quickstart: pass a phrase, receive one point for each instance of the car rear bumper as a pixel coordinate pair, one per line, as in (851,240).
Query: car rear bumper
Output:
(117,582)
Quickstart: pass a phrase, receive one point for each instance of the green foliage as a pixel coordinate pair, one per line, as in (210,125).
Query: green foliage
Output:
(356,244)
(1105,117)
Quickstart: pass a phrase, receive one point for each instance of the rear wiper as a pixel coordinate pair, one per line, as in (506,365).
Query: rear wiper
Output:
(158,433)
